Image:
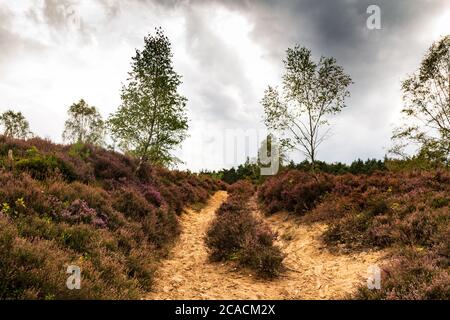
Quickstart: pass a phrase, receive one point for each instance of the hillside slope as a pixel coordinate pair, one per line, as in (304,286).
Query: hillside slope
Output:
(406,212)
(88,207)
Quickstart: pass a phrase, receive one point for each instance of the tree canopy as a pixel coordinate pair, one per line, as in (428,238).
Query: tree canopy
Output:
(426,94)
(85,124)
(151,121)
(15,125)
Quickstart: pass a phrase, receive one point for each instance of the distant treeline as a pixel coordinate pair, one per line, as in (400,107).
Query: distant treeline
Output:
(251,171)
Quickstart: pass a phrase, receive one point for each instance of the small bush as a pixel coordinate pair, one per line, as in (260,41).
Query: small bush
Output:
(294,191)
(235,234)
(241,189)
(132,204)
(42,167)
(413,276)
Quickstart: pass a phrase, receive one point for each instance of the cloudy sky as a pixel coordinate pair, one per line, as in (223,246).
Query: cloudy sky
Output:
(55,52)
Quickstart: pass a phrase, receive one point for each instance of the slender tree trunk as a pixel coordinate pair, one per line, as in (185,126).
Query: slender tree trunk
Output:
(140,163)
(311,142)
(313,159)
(143,158)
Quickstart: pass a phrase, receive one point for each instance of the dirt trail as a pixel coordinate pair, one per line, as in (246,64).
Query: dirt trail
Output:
(313,272)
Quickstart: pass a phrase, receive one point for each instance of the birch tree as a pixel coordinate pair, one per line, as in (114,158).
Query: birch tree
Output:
(151,121)
(311,92)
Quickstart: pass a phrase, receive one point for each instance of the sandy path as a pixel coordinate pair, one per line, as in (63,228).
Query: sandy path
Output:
(313,272)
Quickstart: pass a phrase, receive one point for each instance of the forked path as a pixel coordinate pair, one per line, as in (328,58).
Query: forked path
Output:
(312,271)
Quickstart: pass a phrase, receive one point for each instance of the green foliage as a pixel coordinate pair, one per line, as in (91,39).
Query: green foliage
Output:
(359,166)
(85,124)
(252,171)
(15,125)
(311,92)
(427,108)
(41,167)
(420,161)
(151,120)
(79,149)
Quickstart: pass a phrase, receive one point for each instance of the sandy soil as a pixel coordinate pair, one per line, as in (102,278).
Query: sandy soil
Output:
(312,271)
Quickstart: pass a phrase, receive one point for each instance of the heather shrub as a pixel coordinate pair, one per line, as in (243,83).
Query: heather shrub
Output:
(82,168)
(266,259)
(141,265)
(233,204)
(221,185)
(80,212)
(20,194)
(152,195)
(94,197)
(229,232)
(30,269)
(173,198)
(21,148)
(86,206)
(411,276)
(161,229)
(159,224)
(132,204)
(293,191)
(36,269)
(399,209)
(110,165)
(236,234)
(80,238)
(112,268)
(242,189)
(408,211)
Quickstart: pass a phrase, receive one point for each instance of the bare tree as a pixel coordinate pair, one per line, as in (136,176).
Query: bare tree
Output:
(311,92)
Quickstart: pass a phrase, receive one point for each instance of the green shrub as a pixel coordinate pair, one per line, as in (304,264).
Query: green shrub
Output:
(79,149)
(43,167)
